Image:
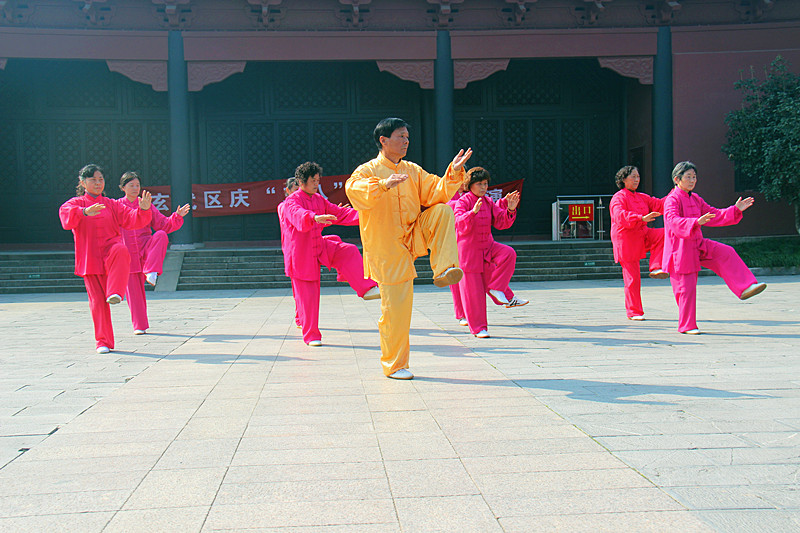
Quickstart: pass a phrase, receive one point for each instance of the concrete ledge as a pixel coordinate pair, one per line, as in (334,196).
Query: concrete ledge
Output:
(168,280)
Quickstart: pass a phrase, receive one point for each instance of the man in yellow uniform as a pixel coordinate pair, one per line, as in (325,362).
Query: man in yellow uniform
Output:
(388,194)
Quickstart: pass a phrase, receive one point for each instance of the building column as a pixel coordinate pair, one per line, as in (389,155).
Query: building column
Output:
(662,114)
(180,178)
(443,96)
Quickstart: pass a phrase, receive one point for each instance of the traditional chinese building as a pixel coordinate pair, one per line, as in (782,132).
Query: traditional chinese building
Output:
(559,93)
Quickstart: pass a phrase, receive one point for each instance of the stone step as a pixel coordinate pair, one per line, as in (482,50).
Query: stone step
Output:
(262,268)
(43,289)
(254,269)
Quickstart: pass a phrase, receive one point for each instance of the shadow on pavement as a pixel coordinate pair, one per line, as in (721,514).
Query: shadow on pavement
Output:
(601,391)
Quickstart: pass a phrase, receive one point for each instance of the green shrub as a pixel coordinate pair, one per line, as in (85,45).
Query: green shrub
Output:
(764,135)
(768,252)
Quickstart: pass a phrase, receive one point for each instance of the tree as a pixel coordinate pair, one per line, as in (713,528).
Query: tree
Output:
(764,135)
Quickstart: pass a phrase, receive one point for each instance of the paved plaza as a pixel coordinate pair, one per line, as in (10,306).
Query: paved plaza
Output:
(570,418)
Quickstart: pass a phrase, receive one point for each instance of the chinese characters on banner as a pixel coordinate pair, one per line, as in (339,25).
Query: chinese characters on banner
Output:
(252,197)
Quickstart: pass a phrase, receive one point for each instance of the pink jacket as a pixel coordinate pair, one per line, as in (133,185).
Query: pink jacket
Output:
(136,240)
(302,238)
(474,231)
(282,226)
(682,234)
(95,235)
(454,200)
(627,227)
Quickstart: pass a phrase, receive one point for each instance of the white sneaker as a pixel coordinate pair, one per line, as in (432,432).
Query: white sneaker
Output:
(463,322)
(315,343)
(151,278)
(138,332)
(114,299)
(451,276)
(517,302)
(636,317)
(659,274)
(499,296)
(103,349)
(482,334)
(752,290)
(373,294)
(694,331)
(403,373)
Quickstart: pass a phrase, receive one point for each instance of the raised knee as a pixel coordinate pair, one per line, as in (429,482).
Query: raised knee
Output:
(442,210)
(120,251)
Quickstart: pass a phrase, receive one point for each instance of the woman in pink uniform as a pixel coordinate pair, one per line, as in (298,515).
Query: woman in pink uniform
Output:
(632,238)
(292,184)
(686,251)
(101,259)
(147,249)
(458,308)
(487,265)
(306,214)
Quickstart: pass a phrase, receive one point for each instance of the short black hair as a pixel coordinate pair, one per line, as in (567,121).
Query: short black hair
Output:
(309,169)
(128,177)
(476,174)
(386,127)
(623,173)
(87,172)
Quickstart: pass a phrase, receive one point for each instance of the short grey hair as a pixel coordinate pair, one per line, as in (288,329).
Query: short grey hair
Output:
(682,168)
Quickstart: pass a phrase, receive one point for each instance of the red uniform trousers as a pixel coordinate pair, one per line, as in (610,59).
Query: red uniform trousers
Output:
(458,308)
(154,252)
(724,262)
(631,275)
(346,260)
(498,268)
(99,287)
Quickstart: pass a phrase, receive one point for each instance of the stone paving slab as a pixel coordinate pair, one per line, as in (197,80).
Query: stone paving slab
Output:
(570,418)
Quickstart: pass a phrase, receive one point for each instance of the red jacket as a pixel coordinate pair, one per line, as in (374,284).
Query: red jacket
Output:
(302,236)
(95,235)
(137,239)
(474,231)
(683,237)
(627,227)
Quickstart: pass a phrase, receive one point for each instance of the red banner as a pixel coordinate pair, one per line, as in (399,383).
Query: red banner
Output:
(253,197)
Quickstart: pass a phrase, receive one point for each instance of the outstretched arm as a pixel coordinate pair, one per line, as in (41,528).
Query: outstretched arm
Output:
(365,190)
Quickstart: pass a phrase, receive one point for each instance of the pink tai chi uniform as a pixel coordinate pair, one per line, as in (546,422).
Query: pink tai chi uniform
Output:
(487,265)
(306,249)
(101,258)
(147,251)
(686,251)
(282,223)
(632,239)
(458,308)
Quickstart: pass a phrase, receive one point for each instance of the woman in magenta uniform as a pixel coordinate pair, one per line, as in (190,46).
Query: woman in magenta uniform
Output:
(292,184)
(686,251)
(632,238)
(147,249)
(101,258)
(458,308)
(306,213)
(487,265)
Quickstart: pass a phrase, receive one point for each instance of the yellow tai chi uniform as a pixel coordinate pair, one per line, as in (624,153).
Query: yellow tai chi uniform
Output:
(394,232)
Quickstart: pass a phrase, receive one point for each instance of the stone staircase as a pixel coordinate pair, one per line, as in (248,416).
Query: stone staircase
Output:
(262,268)
(31,272)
